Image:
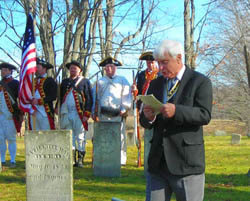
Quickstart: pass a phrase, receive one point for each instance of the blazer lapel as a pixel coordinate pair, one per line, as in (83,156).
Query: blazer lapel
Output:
(185,78)
(158,88)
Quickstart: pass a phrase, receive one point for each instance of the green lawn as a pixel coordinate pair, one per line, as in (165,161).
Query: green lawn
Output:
(226,175)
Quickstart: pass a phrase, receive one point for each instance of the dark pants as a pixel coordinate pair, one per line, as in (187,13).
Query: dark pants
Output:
(148,186)
(186,188)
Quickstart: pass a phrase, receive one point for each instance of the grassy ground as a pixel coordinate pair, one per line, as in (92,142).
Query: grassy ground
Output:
(226,179)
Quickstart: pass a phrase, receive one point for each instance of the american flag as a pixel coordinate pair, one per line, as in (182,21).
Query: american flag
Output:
(28,66)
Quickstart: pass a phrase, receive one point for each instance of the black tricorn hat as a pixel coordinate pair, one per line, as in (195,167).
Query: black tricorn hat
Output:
(110,60)
(76,63)
(44,63)
(7,65)
(148,56)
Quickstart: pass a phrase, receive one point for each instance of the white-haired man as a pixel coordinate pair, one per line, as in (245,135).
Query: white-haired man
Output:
(176,159)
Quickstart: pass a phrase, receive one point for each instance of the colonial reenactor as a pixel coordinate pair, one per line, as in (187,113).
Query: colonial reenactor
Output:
(143,82)
(114,100)
(10,115)
(145,77)
(76,103)
(45,94)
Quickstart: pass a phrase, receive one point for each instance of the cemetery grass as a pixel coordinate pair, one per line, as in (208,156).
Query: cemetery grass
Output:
(226,175)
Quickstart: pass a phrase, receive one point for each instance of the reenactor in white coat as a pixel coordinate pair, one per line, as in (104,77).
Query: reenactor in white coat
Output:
(114,100)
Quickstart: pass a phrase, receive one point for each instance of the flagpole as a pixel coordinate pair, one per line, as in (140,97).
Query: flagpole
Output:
(33,74)
(27,70)
(59,103)
(33,92)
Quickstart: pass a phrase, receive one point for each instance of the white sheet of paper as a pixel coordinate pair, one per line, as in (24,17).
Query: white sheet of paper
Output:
(151,101)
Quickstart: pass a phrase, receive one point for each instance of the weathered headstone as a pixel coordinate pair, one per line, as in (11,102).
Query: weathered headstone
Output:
(236,138)
(148,134)
(131,139)
(49,170)
(220,133)
(107,149)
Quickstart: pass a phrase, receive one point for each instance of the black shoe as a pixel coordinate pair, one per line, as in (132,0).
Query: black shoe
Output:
(74,158)
(80,164)
(81,155)
(3,163)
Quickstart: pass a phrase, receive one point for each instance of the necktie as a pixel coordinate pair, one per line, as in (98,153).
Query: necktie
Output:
(169,89)
(171,83)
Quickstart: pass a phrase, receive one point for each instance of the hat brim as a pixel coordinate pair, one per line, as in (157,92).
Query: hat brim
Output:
(44,63)
(7,65)
(73,63)
(147,56)
(110,60)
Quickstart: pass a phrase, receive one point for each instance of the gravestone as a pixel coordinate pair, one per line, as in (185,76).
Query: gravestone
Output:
(148,134)
(236,138)
(49,169)
(220,133)
(131,139)
(107,149)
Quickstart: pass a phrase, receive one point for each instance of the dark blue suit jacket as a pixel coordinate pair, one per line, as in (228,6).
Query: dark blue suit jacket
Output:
(181,138)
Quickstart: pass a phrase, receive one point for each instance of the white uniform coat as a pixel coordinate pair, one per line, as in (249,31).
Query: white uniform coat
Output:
(114,94)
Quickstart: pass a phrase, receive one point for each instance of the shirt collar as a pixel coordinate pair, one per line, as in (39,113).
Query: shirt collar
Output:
(112,77)
(181,73)
(43,76)
(8,76)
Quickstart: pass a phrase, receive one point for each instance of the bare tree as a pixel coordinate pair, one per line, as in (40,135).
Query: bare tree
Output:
(229,56)
(191,47)
(86,26)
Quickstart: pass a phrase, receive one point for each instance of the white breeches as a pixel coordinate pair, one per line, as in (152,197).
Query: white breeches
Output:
(7,134)
(73,122)
(42,122)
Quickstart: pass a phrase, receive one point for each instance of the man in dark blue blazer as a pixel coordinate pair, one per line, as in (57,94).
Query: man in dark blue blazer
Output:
(177,158)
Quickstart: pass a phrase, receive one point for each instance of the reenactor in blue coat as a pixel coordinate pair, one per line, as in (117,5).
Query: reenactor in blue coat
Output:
(45,94)
(144,79)
(10,115)
(76,102)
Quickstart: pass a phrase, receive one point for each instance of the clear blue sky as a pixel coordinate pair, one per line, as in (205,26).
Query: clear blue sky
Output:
(174,11)
(170,14)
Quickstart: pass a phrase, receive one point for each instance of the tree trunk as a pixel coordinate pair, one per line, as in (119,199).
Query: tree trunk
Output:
(46,33)
(109,27)
(190,56)
(247,59)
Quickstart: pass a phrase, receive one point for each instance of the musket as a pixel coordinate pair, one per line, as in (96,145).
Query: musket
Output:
(136,123)
(96,100)
(96,118)
(59,103)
